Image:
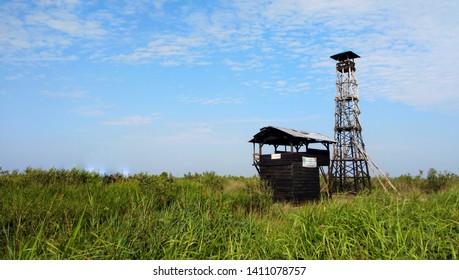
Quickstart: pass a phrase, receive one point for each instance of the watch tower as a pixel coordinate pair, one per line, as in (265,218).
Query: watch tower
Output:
(349,164)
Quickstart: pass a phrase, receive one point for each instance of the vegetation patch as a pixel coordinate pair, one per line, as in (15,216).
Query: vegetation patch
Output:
(74,214)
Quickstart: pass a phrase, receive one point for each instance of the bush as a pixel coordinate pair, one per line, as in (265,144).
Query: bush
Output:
(438,181)
(434,181)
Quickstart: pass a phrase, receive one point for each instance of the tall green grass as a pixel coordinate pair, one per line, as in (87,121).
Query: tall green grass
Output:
(59,214)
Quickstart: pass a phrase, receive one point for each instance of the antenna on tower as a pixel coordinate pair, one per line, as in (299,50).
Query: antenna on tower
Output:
(349,164)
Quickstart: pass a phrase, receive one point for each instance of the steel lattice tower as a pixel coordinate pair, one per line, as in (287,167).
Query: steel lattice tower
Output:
(349,165)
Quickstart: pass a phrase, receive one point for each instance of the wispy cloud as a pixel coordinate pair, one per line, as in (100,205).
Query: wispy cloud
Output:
(254,62)
(44,30)
(288,86)
(65,94)
(67,22)
(141,6)
(89,111)
(129,121)
(211,101)
(94,105)
(407,54)
(167,49)
(13,77)
(192,132)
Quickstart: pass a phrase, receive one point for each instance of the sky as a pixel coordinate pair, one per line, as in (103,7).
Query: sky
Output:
(182,86)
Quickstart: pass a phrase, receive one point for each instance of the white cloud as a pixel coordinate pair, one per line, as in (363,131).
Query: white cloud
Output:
(32,58)
(130,121)
(211,101)
(407,53)
(254,62)
(282,86)
(66,22)
(96,108)
(408,58)
(141,6)
(189,134)
(13,77)
(43,31)
(89,111)
(64,94)
(170,49)
(197,131)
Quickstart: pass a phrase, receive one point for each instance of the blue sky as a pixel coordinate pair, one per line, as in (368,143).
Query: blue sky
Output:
(181,86)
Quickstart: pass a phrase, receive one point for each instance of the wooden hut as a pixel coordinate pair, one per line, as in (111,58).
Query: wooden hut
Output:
(292,168)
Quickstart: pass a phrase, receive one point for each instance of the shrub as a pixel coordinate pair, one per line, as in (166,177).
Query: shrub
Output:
(438,181)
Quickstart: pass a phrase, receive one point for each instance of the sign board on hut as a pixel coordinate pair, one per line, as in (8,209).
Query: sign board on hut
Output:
(309,162)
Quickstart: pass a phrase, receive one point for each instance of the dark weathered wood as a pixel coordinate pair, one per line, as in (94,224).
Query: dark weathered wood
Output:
(289,179)
(284,170)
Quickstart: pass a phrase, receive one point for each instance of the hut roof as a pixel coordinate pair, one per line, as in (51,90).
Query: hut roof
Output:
(273,135)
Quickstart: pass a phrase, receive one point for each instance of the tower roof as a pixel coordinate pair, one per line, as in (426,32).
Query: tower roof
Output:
(345,56)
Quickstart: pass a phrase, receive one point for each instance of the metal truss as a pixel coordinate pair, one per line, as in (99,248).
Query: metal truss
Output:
(349,165)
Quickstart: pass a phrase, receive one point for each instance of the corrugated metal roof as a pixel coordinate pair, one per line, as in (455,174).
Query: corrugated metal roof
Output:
(304,134)
(270,135)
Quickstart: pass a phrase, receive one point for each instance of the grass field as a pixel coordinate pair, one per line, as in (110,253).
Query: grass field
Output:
(74,214)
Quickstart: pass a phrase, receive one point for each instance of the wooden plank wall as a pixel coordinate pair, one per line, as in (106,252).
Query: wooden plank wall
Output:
(289,179)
